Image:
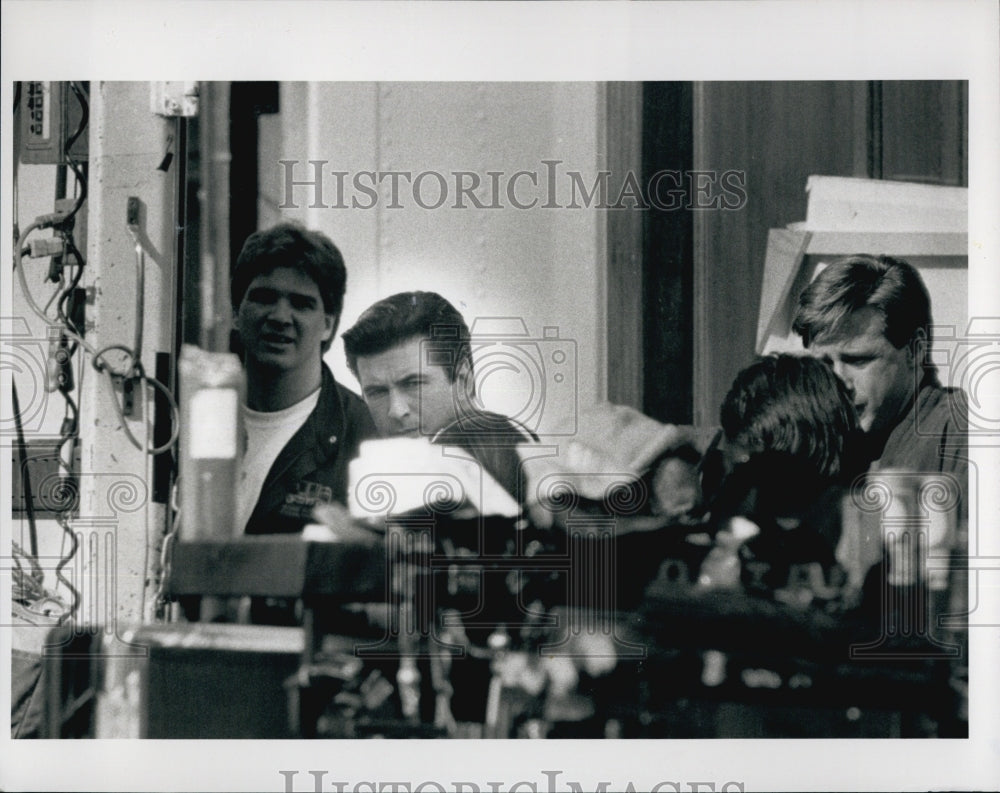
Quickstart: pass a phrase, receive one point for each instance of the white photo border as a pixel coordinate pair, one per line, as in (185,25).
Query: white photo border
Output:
(531,41)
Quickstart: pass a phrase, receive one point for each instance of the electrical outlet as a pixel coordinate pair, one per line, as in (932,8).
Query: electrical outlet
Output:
(59,366)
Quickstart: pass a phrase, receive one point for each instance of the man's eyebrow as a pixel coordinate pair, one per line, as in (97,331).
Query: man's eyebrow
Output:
(302,296)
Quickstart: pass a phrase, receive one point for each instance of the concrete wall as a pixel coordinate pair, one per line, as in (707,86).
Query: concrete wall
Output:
(125,526)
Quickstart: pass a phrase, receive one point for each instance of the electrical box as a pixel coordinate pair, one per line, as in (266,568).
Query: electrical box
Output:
(51,114)
(54,490)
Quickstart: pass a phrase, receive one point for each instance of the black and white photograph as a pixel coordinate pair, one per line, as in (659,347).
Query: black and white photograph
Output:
(617,380)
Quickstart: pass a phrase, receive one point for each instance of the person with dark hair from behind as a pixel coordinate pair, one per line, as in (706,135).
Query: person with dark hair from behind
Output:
(412,356)
(794,411)
(870,318)
(791,440)
(302,427)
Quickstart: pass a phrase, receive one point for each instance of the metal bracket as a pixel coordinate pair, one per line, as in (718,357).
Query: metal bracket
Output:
(174,98)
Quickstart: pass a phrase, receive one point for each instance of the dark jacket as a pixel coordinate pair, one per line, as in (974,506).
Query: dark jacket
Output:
(931,437)
(492,440)
(312,468)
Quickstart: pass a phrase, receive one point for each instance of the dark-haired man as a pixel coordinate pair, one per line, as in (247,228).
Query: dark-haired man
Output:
(302,426)
(870,318)
(412,357)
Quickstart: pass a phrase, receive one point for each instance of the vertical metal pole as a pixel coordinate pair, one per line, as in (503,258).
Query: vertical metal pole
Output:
(214,312)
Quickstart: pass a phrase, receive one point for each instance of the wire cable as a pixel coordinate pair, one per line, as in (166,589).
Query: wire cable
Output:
(81,179)
(136,372)
(71,339)
(15,165)
(168,539)
(31,588)
(135,369)
(57,293)
(18,251)
(68,291)
(28,587)
(29,505)
(74,544)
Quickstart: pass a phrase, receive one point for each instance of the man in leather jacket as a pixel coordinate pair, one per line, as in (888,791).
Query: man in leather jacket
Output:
(302,426)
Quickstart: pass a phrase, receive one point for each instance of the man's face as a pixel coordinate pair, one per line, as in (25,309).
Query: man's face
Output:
(881,378)
(282,322)
(406,396)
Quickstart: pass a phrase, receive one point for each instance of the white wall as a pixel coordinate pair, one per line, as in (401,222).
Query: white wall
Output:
(544,266)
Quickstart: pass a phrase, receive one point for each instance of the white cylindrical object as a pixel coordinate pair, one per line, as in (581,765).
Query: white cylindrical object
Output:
(212,386)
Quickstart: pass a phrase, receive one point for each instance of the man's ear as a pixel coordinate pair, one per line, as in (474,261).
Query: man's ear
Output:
(918,346)
(330,327)
(465,384)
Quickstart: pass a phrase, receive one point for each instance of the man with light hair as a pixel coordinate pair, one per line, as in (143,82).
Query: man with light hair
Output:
(869,317)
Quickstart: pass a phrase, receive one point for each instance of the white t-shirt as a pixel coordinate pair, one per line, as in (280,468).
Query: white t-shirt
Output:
(267,433)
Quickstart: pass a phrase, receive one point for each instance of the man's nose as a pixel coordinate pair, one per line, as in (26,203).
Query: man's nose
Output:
(399,405)
(281,311)
(843,373)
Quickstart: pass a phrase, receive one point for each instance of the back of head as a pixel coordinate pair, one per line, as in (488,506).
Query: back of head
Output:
(891,286)
(295,247)
(409,315)
(796,413)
